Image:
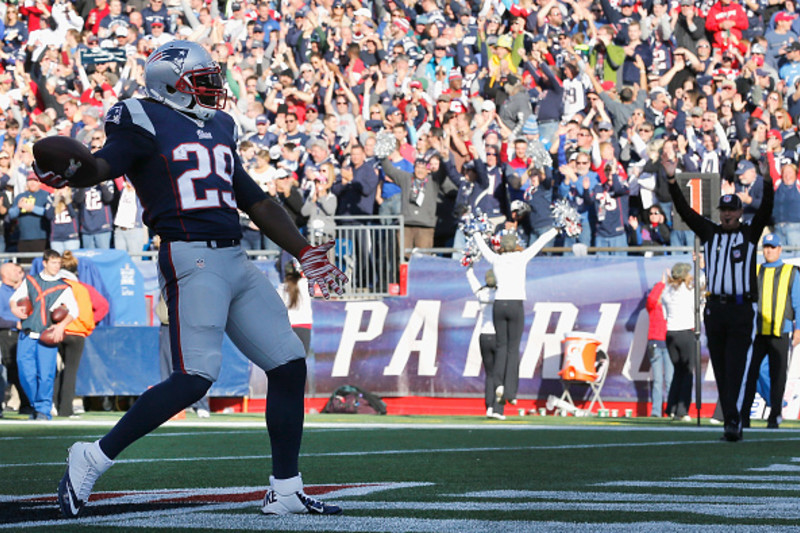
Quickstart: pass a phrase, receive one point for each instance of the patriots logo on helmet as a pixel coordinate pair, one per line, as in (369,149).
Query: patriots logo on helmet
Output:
(176,56)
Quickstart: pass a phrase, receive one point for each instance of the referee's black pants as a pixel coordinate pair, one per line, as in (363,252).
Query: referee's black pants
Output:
(730,329)
(777,349)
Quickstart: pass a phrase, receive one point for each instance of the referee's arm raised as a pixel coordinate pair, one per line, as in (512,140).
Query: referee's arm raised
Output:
(764,211)
(702,226)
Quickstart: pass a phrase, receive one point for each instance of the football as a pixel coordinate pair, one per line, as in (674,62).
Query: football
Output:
(46,337)
(26,304)
(66,157)
(58,314)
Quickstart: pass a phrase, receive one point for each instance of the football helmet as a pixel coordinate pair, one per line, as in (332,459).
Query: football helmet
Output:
(182,75)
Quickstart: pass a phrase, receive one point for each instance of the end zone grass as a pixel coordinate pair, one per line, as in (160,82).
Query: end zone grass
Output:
(418,473)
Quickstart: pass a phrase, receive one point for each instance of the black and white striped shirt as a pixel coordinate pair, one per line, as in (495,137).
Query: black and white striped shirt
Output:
(730,255)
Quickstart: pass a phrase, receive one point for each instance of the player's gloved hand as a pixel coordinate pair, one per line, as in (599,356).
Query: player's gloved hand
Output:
(319,270)
(49,178)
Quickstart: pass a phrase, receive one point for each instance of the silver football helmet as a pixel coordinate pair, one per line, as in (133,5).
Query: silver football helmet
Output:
(182,75)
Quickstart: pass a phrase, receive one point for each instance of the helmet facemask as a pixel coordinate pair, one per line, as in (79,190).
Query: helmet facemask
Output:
(205,85)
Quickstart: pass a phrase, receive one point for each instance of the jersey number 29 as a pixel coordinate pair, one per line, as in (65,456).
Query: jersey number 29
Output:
(218,161)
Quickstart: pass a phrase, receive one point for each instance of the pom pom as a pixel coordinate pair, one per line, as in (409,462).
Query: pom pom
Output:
(475,225)
(385,144)
(538,153)
(566,218)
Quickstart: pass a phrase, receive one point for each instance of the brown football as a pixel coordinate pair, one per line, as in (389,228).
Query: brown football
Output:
(26,304)
(66,157)
(59,313)
(46,337)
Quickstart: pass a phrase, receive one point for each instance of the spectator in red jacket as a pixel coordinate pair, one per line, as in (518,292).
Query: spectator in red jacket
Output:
(657,348)
(96,15)
(725,21)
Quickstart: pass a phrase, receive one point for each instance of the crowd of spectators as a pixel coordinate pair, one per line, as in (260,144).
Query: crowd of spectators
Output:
(500,106)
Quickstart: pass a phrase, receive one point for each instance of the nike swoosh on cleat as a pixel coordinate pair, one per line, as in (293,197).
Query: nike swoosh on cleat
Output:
(67,497)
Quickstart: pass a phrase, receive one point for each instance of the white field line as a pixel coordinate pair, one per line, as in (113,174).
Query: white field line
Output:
(699,485)
(513,423)
(596,496)
(751,477)
(347,524)
(559,447)
(347,490)
(208,517)
(778,468)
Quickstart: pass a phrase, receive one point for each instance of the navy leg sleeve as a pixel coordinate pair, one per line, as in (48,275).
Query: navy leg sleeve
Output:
(153,408)
(285,388)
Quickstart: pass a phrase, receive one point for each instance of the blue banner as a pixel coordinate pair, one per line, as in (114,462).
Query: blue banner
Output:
(426,343)
(124,285)
(123,361)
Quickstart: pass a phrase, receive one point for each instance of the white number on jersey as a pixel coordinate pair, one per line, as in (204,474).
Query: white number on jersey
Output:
(219,161)
(63,217)
(94,200)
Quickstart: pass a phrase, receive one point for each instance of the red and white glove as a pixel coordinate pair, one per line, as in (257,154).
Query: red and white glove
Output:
(318,270)
(50,178)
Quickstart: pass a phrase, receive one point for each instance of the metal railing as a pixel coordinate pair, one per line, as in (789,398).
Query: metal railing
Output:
(369,251)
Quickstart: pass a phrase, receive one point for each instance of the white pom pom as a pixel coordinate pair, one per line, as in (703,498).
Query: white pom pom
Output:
(385,144)
(566,218)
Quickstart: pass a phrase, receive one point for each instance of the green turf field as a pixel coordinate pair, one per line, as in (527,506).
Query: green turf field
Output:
(409,474)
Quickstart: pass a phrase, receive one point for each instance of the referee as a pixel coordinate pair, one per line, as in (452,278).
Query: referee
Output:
(730,312)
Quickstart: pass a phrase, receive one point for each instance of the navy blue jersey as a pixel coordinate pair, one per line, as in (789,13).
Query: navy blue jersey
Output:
(63,225)
(186,172)
(94,207)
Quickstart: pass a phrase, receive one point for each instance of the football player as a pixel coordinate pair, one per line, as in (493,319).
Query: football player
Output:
(178,148)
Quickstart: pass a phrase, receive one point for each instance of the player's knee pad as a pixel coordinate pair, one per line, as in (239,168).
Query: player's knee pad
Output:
(290,375)
(192,387)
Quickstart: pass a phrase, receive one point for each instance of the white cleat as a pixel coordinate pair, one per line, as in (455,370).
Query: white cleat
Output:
(286,496)
(203,413)
(85,463)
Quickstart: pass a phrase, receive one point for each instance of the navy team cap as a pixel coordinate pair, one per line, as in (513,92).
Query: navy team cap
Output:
(730,201)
